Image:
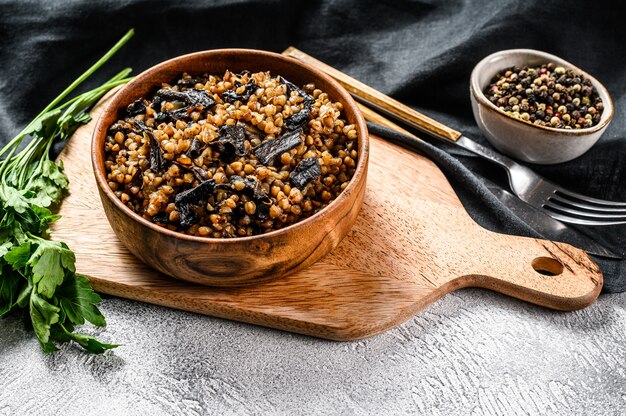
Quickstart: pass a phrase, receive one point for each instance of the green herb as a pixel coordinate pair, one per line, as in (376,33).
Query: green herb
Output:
(37,275)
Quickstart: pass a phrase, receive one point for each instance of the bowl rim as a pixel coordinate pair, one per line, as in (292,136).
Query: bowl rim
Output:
(477,92)
(344,97)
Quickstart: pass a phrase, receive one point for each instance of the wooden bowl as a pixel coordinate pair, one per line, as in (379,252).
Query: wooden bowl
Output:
(232,261)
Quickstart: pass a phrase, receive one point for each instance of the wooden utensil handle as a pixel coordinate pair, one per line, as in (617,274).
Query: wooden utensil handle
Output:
(379,100)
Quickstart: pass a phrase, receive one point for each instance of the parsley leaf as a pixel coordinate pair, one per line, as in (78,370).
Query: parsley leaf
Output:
(50,261)
(18,256)
(48,184)
(24,295)
(4,248)
(45,125)
(12,198)
(78,301)
(9,286)
(43,315)
(71,120)
(90,343)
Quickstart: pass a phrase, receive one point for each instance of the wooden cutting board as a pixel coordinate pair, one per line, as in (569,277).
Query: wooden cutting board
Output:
(412,244)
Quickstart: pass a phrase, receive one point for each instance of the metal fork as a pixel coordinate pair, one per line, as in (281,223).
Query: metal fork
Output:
(557,201)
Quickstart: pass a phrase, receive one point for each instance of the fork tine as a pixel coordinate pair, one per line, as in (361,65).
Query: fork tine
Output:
(597,208)
(595,215)
(573,220)
(588,199)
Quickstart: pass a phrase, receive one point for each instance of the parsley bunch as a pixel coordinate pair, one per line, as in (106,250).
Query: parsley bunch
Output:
(37,275)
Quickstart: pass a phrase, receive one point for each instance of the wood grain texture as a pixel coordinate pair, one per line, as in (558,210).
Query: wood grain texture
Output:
(379,100)
(412,243)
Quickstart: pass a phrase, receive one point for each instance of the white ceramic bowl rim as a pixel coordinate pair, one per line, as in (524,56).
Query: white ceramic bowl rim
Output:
(477,90)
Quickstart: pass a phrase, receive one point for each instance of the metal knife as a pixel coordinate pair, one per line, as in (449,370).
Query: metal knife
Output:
(548,226)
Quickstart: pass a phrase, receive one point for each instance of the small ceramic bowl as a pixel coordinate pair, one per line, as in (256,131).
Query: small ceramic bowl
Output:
(243,260)
(522,139)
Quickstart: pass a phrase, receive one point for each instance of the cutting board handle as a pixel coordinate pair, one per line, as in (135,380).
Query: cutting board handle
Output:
(551,274)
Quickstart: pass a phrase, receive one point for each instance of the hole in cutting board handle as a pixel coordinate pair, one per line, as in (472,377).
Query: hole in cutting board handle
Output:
(547,266)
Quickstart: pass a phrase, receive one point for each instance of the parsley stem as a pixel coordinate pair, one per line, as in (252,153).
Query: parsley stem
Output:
(17,140)
(90,71)
(119,79)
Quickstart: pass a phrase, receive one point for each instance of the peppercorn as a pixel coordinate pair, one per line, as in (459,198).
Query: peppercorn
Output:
(545,95)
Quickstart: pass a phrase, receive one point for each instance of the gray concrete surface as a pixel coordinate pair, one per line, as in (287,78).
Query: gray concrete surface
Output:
(472,353)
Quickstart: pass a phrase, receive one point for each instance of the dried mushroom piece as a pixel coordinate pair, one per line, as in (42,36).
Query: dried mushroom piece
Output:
(161,218)
(189,82)
(163,117)
(138,107)
(136,180)
(269,150)
(231,141)
(263,211)
(178,114)
(186,200)
(198,194)
(308,100)
(157,162)
(156,104)
(120,125)
(298,119)
(230,96)
(138,127)
(307,170)
(251,131)
(196,148)
(251,186)
(199,173)
(191,97)
(187,216)
(126,126)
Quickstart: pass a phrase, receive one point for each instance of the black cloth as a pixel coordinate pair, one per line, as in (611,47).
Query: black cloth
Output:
(419,52)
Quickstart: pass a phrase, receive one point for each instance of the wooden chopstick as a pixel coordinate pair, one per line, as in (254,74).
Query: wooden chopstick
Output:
(379,100)
(374,117)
